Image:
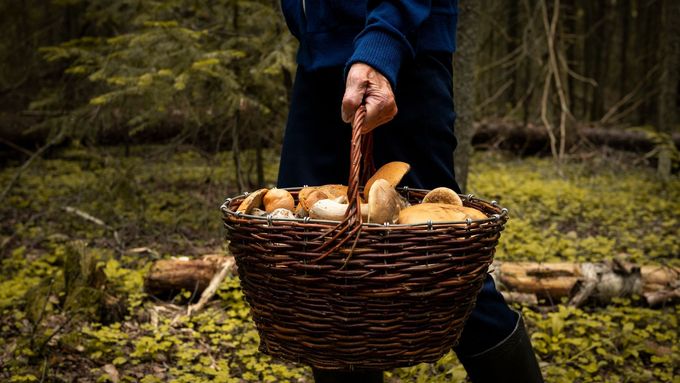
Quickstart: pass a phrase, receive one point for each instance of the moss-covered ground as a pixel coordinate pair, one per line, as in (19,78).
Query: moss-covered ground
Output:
(72,306)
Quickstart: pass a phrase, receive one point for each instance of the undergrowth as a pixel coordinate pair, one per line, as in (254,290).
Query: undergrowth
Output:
(155,204)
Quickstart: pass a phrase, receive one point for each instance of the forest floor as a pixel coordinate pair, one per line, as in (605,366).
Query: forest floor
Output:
(72,307)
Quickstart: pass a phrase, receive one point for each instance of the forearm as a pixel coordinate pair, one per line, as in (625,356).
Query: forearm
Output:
(384,43)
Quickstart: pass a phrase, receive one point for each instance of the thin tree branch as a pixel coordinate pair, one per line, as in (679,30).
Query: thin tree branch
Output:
(55,140)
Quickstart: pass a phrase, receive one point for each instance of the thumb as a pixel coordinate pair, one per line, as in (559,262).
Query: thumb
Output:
(351,101)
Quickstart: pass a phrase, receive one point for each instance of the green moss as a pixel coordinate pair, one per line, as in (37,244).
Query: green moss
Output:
(588,214)
(168,202)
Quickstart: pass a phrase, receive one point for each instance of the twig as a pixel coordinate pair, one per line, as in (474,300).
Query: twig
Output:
(544,113)
(212,287)
(58,330)
(55,140)
(550,28)
(612,111)
(44,370)
(494,97)
(98,222)
(85,216)
(16,147)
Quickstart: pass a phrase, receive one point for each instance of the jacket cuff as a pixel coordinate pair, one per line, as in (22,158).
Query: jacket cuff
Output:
(381,51)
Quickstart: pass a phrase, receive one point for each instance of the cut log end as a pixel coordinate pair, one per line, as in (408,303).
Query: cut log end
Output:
(168,277)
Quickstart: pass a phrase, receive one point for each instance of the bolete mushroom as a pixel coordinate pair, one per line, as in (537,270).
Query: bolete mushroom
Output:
(309,195)
(471,212)
(332,210)
(383,205)
(278,198)
(392,172)
(443,195)
(434,212)
(253,200)
(282,213)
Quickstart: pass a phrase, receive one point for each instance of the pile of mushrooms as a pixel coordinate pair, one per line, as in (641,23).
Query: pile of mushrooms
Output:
(380,203)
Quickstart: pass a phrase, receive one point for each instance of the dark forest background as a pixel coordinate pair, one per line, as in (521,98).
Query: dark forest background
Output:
(217,73)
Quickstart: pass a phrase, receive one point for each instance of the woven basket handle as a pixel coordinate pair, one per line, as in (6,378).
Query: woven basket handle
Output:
(361,148)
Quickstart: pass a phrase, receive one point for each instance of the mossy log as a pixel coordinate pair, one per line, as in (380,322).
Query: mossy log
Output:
(167,277)
(586,281)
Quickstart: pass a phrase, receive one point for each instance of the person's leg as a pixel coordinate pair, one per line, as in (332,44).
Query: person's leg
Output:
(316,152)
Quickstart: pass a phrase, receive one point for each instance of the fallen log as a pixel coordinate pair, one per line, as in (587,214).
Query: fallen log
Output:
(528,283)
(581,282)
(532,138)
(167,277)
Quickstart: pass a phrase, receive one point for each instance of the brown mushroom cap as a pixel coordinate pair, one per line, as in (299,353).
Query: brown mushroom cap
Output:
(435,212)
(253,200)
(384,202)
(392,172)
(278,198)
(471,212)
(308,196)
(443,195)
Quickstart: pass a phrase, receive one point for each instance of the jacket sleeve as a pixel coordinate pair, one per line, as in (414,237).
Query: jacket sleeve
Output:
(384,41)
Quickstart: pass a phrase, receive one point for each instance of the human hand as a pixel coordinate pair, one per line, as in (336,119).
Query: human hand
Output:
(368,85)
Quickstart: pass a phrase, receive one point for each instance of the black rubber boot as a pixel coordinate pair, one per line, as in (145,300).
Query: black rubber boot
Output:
(511,361)
(332,376)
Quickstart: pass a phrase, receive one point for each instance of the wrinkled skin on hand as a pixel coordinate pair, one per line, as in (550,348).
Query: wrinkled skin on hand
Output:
(368,85)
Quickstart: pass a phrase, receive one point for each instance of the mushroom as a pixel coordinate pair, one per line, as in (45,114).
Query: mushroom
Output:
(309,195)
(278,198)
(332,210)
(253,200)
(384,203)
(443,195)
(471,212)
(282,213)
(434,212)
(392,172)
(258,212)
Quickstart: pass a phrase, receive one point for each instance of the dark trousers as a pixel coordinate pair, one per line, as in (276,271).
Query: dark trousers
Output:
(317,144)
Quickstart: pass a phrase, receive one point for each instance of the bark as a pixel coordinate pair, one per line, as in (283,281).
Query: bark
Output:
(669,57)
(464,87)
(168,277)
(581,282)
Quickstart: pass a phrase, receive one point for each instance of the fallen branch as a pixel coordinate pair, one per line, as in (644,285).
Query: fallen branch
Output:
(227,266)
(85,216)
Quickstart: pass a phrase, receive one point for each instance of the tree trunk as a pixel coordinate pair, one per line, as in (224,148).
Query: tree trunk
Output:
(464,88)
(669,59)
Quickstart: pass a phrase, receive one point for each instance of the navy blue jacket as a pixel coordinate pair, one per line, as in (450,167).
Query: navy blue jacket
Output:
(381,34)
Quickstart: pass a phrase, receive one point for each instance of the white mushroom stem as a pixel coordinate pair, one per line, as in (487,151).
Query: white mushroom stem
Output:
(328,209)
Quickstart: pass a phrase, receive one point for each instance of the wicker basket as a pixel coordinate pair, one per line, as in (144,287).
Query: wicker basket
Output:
(357,295)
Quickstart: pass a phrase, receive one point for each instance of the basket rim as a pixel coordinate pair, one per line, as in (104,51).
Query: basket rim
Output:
(226,211)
